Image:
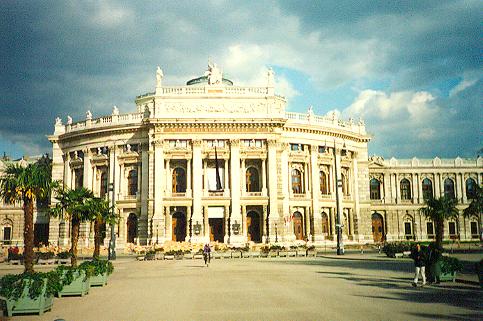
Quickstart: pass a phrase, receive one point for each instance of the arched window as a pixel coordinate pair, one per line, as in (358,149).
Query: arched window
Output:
(132,227)
(7,231)
(405,189)
(470,188)
(79,178)
(252,180)
(449,188)
(132,182)
(324,187)
(103,189)
(325,223)
(345,185)
(427,187)
(375,189)
(296,181)
(179,180)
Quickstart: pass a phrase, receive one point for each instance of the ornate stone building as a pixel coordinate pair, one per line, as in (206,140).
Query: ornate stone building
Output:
(214,161)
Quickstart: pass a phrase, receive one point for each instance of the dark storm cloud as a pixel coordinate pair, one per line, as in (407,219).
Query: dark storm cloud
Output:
(59,58)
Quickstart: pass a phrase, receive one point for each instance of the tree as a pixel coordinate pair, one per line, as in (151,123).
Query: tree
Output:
(476,206)
(101,213)
(25,184)
(438,210)
(74,203)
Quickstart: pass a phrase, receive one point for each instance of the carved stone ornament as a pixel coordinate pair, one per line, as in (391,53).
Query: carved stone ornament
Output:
(379,160)
(227,108)
(377,176)
(197,142)
(235,142)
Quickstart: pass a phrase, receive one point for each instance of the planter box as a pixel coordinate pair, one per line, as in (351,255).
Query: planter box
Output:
(169,257)
(406,254)
(273,254)
(198,256)
(227,255)
(447,276)
(140,258)
(301,253)
(98,280)
(398,255)
(263,254)
(46,261)
(236,254)
(282,253)
(63,261)
(245,254)
(149,257)
(312,253)
(254,254)
(188,256)
(159,256)
(79,286)
(179,256)
(15,262)
(27,305)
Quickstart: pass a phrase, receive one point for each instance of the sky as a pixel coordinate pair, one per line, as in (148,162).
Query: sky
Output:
(411,69)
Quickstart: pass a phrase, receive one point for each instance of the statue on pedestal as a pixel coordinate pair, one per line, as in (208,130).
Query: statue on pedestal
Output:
(159,77)
(88,115)
(215,75)
(69,120)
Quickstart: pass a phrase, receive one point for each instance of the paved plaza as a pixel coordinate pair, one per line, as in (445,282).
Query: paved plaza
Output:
(320,288)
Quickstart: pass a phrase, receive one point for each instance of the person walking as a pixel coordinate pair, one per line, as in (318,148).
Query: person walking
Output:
(419,261)
(206,254)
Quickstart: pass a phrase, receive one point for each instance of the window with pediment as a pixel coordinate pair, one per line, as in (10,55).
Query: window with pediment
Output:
(324,182)
(405,186)
(449,188)
(103,187)
(252,180)
(470,188)
(296,181)
(132,182)
(427,187)
(179,180)
(375,189)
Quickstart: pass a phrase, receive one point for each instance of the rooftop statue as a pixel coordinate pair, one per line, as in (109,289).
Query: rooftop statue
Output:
(58,121)
(69,120)
(214,74)
(159,77)
(88,115)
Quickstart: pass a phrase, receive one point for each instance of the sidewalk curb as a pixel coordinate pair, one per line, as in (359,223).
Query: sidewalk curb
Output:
(467,282)
(357,259)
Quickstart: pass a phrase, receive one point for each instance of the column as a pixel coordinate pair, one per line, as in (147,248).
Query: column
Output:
(88,170)
(308,235)
(188,218)
(188,177)
(143,219)
(333,232)
(235,186)
(158,188)
(206,224)
(314,154)
(244,231)
(457,181)
(264,224)
(168,177)
(387,188)
(272,186)
(197,216)
(243,177)
(205,176)
(226,173)
(169,222)
(357,215)
(285,185)
(437,185)
(414,189)
(264,177)
(463,188)
(420,189)
(227,222)
(398,190)
(306,180)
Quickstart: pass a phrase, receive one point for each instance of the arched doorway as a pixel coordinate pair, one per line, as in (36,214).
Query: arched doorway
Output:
(377,228)
(179,227)
(298,227)
(132,227)
(253,227)
(325,224)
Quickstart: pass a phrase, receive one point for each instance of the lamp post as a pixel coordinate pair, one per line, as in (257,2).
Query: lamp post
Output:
(338,224)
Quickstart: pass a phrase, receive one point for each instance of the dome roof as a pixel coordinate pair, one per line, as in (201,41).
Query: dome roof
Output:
(203,80)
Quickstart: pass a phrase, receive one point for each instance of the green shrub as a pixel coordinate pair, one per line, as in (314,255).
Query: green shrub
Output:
(64,255)
(97,267)
(12,285)
(450,265)
(45,255)
(391,248)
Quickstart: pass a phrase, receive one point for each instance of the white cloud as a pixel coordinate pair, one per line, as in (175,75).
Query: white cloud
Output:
(465,83)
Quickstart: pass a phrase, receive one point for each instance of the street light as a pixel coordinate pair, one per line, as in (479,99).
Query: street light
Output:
(338,224)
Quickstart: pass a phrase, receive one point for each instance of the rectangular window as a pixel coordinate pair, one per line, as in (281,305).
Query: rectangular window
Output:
(322,149)
(7,233)
(295,147)
(407,228)
(430,229)
(452,228)
(474,229)
(217,143)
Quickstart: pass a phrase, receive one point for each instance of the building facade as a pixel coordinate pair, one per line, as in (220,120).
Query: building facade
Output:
(213,161)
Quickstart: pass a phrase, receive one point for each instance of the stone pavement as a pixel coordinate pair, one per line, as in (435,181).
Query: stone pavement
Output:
(268,289)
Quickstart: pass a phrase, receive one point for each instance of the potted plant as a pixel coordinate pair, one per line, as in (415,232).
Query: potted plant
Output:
(199,254)
(75,280)
(99,271)
(448,266)
(311,251)
(14,256)
(63,257)
(45,257)
(29,292)
(150,255)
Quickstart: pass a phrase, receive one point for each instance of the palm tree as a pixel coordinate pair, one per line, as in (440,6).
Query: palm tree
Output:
(476,206)
(25,184)
(438,210)
(101,213)
(75,204)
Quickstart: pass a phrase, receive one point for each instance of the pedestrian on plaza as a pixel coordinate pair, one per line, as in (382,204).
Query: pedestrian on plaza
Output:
(419,260)
(206,253)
